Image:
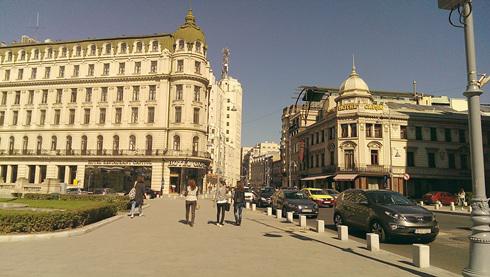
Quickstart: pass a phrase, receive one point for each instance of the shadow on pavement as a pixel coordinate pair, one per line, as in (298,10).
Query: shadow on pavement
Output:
(183,221)
(348,250)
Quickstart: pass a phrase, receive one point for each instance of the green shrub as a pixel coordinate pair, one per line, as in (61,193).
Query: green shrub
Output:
(31,221)
(121,202)
(41,196)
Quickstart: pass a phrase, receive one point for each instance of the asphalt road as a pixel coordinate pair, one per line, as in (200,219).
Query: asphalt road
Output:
(449,251)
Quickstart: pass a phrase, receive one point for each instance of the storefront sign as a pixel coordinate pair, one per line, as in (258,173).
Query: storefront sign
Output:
(120,163)
(375,107)
(191,164)
(349,106)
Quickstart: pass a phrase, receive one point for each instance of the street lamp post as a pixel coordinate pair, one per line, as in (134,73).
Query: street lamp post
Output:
(480,237)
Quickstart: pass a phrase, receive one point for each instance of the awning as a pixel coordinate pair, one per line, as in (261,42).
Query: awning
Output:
(345,177)
(315,177)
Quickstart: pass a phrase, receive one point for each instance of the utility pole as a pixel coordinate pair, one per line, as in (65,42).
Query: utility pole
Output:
(480,237)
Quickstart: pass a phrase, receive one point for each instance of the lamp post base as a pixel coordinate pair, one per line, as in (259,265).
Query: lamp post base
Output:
(479,240)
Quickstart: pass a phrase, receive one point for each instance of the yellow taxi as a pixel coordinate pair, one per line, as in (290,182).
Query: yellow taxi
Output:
(320,197)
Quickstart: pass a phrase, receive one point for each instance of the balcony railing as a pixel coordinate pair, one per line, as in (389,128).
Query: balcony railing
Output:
(366,169)
(189,153)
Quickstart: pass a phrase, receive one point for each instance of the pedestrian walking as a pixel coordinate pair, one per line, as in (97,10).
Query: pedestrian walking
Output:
(461,197)
(139,195)
(221,200)
(191,201)
(238,203)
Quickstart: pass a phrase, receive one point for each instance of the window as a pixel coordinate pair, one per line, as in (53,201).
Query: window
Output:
(317,137)
(349,159)
(136,93)
(103,94)
(197,93)
(78,51)
(447,135)
(61,72)
(25,143)
(323,136)
(433,134)
(2,118)
(64,52)
(39,145)
(73,98)
(196,116)
(30,98)
(93,50)
(17,98)
(178,114)
(42,118)
(134,115)
(132,143)
(105,72)
(11,145)
(119,96)
(15,117)
(418,133)
(451,160)
(181,45)
(57,114)
(7,75)
(374,157)
(431,157)
(90,70)
(122,67)
(180,66)
(4,98)
(49,55)
(54,141)
(197,66)
(378,131)
(47,72)
(59,94)
(71,119)
(84,145)
(100,145)
(44,96)
(369,130)
(153,66)
(151,114)
(464,161)
(176,143)
(108,49)
(102,116)
(117,120)
(76,70)
(137,67)
(9,57)
(195,146)
(86,116)
(36,54)
(115,145)
(28,117)
(410,159)
(179,91)
(88,95)
(462,136)
(332,157)
(198,46)
(22,55)
(152,92)
(68,144)
(149,144)
(139,47)
(124,48)
(353,130)
(345,130)
(403,132)
(322,159)
(34,73)
(154,46)
(20,74)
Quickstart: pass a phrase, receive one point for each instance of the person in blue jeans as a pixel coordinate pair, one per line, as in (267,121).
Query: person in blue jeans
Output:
(238,203)
(140,195)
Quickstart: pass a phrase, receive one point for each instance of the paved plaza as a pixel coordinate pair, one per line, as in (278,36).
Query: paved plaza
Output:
(159,244)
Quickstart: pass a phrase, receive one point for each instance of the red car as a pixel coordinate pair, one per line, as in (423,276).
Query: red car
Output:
(444,197)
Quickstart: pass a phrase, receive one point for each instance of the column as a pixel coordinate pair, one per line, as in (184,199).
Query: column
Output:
(156,176)
(8,179)
(166,179)
(37,175)
(67,175)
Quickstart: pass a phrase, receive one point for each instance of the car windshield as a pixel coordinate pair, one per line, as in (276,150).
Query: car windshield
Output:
(331,191)
(389,199)
(294,195)
(316,191)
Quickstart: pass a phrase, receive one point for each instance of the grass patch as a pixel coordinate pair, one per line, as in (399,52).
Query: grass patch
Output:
(54,204)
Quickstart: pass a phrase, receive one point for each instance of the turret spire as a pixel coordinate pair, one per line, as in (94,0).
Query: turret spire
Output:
(353,72)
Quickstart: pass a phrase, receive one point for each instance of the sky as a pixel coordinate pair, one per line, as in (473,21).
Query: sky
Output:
(278,45)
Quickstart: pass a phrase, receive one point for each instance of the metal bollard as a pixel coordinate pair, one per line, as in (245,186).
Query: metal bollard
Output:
(453,208)
(279,214)
(372,241)
(290,217)
(343,232)
(269,211)
(302,221)
(437,207)
(470,209)
(465,204)
(421,255)
(421,203)
(254,207)
(320,226)
(247,205)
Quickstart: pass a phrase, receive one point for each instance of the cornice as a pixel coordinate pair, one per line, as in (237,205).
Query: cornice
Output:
(83,129)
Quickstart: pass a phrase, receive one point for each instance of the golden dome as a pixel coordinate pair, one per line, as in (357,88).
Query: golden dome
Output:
(189,31)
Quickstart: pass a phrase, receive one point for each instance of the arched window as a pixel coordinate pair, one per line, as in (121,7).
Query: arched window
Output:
(84,145)
(154,46)
(132,143)
(54,140)
(149,144)
(64,52)
(176,143)
(49,54)
(195,146)
(181,44)
(9,56)
(36,54)
(68,145)
(115,145)
(39,145)
(25,142)
(124,48)
(22,55)
(100,145)
(108,48)
(93,50)
(11,145)
(78,51)
(198,46)
(139,47)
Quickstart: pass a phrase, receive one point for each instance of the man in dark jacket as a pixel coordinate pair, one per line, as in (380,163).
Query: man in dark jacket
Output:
(140,195)
(239,203)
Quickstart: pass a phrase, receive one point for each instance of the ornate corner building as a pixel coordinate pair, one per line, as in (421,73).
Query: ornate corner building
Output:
(97,112)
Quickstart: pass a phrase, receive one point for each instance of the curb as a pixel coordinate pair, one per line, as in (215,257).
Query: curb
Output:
(451,213)
(63,234)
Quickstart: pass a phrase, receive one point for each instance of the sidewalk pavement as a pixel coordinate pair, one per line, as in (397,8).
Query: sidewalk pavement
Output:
(159,244)
(459,210)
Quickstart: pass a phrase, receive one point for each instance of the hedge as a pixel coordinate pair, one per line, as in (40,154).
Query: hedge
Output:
(32,221)
(121,202)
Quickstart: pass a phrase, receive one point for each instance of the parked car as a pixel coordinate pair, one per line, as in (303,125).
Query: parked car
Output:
(74,191)
(264,197)
(250,195)
(320,197)
(332,193)
(386,213)
(294,201)
(150,193)
(444,197)
(103,191)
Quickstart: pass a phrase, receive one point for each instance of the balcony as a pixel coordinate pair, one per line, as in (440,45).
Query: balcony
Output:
(379,169)
(189,153)
(84,152)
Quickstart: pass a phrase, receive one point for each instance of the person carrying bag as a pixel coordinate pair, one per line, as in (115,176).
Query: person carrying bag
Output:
(221,201)
(191,201)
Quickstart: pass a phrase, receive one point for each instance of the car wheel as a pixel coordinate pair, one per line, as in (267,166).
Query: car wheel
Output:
(378,229)
(338,219)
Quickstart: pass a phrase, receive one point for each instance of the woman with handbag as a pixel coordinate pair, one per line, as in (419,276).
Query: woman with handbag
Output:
(190,201)
(221,200)
(139,195)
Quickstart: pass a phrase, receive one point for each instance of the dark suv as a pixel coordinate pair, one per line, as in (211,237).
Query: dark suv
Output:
(386,213)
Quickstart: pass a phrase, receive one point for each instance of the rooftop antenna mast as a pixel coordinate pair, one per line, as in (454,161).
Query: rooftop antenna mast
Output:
(225,64)
(37,27)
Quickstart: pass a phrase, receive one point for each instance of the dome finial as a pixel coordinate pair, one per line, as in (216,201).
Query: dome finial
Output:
(353,72)
(189,18)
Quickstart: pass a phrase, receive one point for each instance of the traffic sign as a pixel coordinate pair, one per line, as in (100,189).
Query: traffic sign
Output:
(406,177)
